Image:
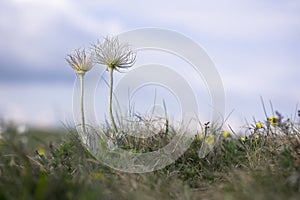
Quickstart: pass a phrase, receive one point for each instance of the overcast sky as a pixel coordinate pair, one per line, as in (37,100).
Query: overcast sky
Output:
(254,44)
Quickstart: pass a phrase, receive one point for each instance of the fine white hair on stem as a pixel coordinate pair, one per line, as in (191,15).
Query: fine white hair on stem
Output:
(114,54)
(81,63)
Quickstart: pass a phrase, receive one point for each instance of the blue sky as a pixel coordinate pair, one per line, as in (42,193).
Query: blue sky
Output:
(254,44)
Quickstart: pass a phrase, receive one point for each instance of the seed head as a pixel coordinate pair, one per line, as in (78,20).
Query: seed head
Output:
(80,61)
(113,54)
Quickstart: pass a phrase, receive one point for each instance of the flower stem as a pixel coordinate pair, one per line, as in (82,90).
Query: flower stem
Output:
(81,76)
(111,70)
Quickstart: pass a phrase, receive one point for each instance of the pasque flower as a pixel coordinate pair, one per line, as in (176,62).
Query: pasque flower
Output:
(115,56)
(81,63)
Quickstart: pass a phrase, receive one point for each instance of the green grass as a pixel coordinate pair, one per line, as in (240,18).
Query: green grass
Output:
(43,164)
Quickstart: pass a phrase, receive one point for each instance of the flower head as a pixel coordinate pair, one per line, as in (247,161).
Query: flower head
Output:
(243,139)
(200,137)
(40,151)
(80,61)
(259,125)
(97,176)
(113,54)
(226,134)
(273,121)
(210,140)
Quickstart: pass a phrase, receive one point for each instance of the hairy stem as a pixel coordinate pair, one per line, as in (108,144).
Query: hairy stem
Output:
(81,76)
(111,70)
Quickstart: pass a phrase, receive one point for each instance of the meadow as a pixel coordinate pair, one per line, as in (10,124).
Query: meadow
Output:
(260,161)
(263,162)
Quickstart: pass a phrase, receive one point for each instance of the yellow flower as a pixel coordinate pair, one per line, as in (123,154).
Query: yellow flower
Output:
(243,139)
(259,125)
(200,137)
(210,140)
(41,151)
(257,137)
(226,134)
(97,176)
(273,121)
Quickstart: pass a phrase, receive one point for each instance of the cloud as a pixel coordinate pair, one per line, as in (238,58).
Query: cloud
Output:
(232,19)
(25,27)
(37,31)
(254,44)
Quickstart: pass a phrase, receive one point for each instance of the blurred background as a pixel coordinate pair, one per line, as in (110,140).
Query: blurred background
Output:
(254,44)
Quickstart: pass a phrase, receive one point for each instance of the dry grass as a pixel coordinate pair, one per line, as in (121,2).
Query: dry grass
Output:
(264,166)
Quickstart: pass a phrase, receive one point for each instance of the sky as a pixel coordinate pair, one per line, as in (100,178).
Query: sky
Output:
(254,44)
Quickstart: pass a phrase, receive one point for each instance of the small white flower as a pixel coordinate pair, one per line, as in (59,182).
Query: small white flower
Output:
(21,128)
